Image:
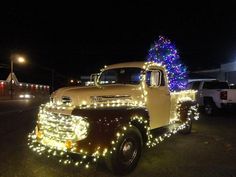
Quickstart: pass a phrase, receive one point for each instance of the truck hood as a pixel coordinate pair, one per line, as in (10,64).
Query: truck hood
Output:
(90,94)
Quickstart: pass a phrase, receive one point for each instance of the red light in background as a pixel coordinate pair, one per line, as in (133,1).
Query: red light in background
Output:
(32,86)
(2,85)
(223,95)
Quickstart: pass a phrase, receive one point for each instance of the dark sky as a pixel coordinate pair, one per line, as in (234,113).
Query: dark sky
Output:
(78,39)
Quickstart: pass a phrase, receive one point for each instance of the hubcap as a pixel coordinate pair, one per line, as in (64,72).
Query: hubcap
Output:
(208,109)
(128,151)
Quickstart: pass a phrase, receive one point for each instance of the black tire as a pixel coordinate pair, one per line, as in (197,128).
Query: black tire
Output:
(209,108)
(188,129)
(185,117)
(128,151)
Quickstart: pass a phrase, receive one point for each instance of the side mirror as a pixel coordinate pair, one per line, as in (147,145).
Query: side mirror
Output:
(94,78)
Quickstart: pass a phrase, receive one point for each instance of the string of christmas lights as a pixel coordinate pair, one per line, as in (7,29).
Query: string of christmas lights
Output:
(86,160)
(48,120)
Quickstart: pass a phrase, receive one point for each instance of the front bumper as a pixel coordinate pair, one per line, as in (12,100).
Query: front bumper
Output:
(63,155)
(43,144)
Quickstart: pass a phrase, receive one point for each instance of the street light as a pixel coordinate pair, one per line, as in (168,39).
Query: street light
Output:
(21,59)
(18,59)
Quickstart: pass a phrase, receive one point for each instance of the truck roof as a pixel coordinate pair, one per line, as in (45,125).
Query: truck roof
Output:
(205,79)
(137,64)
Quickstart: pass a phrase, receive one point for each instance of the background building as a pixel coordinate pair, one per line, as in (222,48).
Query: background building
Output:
(22,90)
(226,72)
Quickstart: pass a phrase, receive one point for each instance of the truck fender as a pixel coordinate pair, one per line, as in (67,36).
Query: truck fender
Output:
(106,125)
(187,110)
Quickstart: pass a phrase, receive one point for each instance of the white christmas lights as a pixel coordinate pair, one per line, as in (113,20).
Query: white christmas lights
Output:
(56,133)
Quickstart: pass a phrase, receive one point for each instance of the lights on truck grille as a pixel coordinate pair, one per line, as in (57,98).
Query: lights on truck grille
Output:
(61,131)
(81,128)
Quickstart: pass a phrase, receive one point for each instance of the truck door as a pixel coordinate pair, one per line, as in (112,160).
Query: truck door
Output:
(158,98)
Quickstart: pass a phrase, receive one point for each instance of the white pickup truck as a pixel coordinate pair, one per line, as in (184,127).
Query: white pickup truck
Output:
(213,94)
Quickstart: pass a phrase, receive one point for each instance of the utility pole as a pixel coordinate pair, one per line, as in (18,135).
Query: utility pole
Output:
(52,81)
(11,86)
(53,74)
(19,59)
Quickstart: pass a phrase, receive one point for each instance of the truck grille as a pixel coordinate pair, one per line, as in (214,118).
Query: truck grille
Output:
(56,127)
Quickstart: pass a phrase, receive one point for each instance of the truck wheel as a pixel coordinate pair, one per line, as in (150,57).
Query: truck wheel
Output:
(209,108)
(188,128)
(127,153)
(186,116)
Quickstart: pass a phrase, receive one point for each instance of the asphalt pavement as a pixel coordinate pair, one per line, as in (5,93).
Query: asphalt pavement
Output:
(210,151)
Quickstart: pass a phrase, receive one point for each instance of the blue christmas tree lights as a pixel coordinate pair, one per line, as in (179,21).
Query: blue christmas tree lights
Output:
(165,52)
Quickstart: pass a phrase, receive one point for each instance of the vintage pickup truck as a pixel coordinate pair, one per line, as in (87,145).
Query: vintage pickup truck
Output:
(116,117)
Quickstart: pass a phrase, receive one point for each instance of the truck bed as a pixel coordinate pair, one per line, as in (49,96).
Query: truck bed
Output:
(231,95)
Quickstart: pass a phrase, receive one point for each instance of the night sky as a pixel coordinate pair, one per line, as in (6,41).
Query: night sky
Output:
(78,39)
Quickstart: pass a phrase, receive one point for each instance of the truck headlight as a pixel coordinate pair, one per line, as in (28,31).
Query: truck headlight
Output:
(81,128)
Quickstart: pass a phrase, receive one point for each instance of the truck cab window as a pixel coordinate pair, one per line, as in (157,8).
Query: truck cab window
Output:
(108,77)
(155,78)
(120,76)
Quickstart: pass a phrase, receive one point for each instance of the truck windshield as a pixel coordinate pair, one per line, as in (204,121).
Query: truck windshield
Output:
(120,76)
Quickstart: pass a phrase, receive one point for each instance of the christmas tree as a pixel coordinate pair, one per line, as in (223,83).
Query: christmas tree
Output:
(165,53)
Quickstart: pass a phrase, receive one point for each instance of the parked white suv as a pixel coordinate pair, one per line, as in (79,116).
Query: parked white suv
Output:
(213,94)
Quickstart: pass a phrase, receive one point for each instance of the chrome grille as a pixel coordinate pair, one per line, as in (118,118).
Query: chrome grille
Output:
(107,98)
